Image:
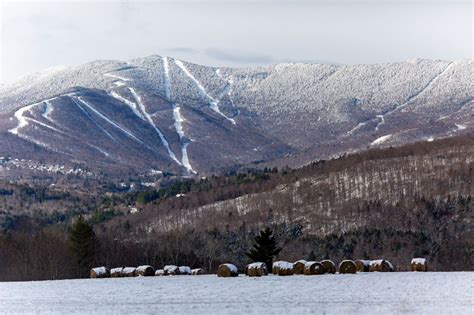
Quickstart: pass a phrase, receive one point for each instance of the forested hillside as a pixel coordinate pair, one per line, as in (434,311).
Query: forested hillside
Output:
(395,203)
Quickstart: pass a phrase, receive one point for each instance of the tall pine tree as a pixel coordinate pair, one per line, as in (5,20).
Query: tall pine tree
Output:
(265,248)
(83,243)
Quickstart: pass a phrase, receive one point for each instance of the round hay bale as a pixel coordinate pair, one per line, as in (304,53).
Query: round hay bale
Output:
(198,272)
(419,264)
(282,268)
(227,270)
(145,271)
(160,272)
(347,266)
(171,270)
(275,267)
(128,271)
(298,267)
(256,269)
(362,265)
(285,269)
(99,272)
(329,266)
(116,272)
(184,270)
(313,268)
(380,265)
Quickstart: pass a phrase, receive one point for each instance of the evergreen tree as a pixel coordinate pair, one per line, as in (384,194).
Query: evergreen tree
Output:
(83,243)
(265,248)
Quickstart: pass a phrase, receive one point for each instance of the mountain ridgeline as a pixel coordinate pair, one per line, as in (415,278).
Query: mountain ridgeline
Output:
(158,115)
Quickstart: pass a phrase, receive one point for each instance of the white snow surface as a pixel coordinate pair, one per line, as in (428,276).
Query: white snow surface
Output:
(363,293)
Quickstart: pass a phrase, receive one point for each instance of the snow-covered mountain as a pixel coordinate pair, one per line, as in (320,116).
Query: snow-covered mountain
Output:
(163,114)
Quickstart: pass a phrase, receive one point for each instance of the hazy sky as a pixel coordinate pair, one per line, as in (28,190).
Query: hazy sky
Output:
(41,34)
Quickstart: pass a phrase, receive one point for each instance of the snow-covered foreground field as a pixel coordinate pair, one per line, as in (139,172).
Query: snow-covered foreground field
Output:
(416,293)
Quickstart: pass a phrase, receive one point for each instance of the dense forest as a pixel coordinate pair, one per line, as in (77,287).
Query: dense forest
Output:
(395,203)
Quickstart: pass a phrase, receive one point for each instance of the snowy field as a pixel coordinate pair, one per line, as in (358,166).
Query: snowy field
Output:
(382,293)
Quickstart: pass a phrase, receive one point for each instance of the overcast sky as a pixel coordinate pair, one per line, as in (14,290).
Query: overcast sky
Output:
(41,34)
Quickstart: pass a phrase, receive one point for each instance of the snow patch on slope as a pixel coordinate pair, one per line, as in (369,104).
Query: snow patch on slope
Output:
(381,140)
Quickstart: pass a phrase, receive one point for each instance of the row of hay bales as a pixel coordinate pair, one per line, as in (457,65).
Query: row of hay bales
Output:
(144,271)
(259,269)
(303,267)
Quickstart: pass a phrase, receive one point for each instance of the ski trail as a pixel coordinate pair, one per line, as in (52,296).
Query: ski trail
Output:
(124,130)
(414,96)
(380,123)
(461,107)
(213,103)
(44,125)
(22,120)
(99,149)
(98,113)
(115,76)
(150,120)
(360,125)
(166,78)
(178,119)
(92,119)
(228,89)
(48,109)
(133,106)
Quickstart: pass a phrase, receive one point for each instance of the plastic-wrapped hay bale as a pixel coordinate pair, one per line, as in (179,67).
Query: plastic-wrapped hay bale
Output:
(227,270)
(282,268)
(99,272)
(184,270)
(380,265)
(171,270)
(347,266)
(313,268)
(160,272)
(419,264)
(145,271)
(256,269)
(129,271)
(298,267)
(362,265)
(116,272)
(198,272)
(329,266)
